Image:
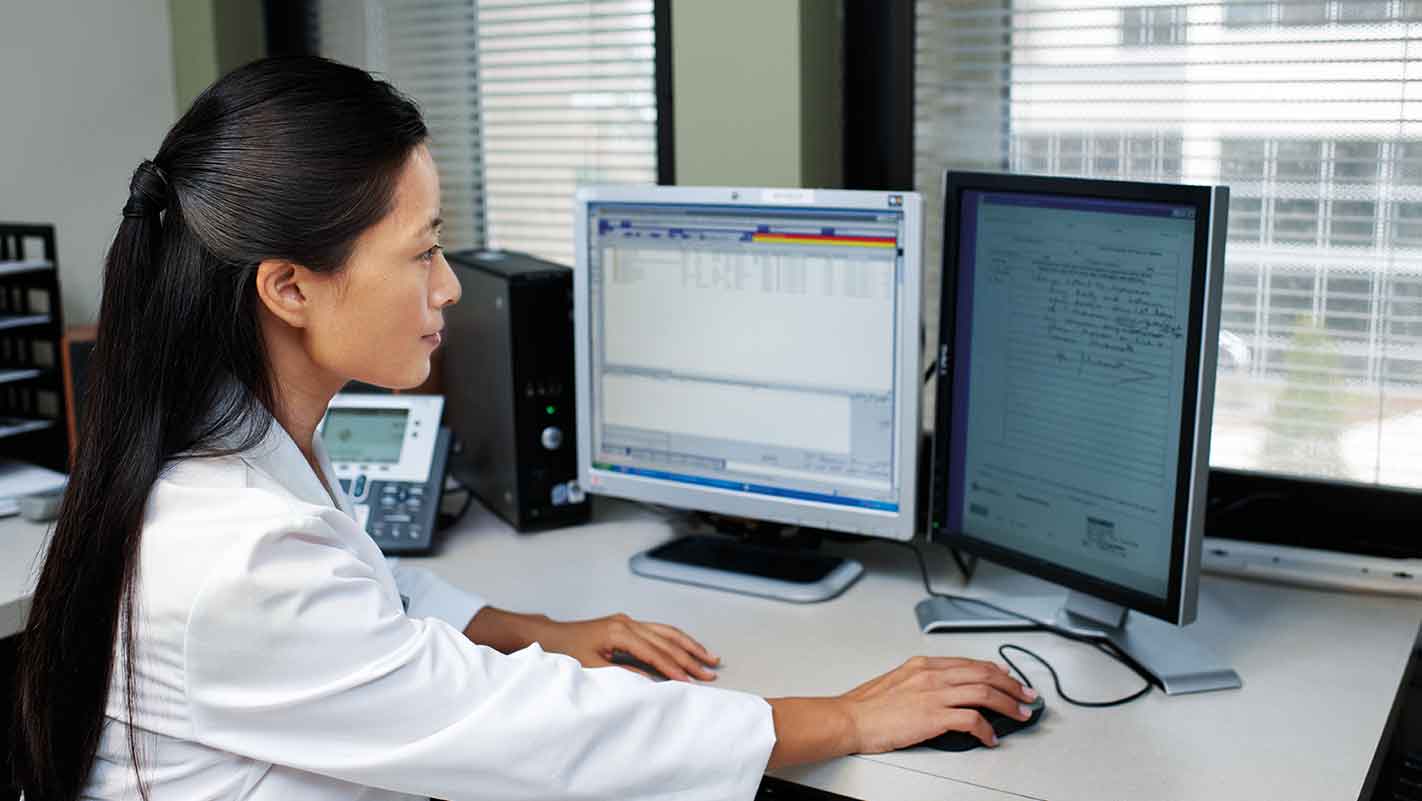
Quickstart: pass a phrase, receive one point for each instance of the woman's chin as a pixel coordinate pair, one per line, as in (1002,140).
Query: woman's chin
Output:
(398,383)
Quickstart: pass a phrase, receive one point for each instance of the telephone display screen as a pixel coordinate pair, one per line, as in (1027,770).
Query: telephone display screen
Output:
(367,436)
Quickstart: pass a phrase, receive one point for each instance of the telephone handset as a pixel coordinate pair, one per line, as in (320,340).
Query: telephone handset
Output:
(390,454)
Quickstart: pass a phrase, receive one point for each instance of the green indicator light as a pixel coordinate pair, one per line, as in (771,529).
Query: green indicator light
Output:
(550,409)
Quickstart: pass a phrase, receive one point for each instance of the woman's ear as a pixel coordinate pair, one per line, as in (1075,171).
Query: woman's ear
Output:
(285,289)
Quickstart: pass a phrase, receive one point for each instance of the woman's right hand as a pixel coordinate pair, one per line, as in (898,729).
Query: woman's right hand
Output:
(922,698)
(927,696)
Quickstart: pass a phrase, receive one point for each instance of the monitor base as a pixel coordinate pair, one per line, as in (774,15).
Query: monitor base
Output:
(795,575)
(1178,663)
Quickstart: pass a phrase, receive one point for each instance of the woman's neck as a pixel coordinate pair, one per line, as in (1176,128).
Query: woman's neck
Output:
(299,411)
(303,389)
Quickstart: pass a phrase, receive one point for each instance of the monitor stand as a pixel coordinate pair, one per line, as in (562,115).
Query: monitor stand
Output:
(756,560)
(1168,653)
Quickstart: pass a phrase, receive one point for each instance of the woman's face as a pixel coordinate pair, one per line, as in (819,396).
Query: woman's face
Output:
(381,317)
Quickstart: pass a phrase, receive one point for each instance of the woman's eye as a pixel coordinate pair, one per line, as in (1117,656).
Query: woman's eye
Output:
(430,254)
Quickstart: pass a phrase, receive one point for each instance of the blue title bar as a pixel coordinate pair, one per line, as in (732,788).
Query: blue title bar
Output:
(1089,204)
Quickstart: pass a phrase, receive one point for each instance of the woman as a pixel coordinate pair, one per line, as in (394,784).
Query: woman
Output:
(211,623)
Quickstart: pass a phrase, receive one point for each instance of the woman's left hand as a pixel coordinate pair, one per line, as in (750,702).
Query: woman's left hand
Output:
(666,648)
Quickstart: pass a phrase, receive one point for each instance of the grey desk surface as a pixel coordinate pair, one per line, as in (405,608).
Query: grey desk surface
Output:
(1321,669)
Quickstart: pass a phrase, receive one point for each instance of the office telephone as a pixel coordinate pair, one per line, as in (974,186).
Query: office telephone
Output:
(390,454)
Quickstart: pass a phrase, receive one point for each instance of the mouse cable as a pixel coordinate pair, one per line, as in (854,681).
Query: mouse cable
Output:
(1104,647)
(1002,651)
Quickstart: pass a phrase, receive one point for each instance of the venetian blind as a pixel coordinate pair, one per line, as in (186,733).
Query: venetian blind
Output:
(526,100)
(1307,109)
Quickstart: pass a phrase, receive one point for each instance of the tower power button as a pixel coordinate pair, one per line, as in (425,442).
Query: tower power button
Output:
(552,438)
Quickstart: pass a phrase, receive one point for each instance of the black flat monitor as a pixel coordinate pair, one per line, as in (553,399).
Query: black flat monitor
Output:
(1075,380)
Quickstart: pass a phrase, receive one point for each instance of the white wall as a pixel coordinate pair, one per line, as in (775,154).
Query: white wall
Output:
(87,92)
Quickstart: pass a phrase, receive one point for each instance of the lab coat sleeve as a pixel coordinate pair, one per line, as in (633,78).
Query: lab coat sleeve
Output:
(297,654)
(431,596)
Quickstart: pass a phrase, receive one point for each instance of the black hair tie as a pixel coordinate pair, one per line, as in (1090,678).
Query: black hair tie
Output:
(147,192)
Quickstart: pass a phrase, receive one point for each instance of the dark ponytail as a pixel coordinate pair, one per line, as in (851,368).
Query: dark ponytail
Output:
(288,158)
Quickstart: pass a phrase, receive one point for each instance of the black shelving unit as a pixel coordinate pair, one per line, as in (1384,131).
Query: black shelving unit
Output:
(32,413)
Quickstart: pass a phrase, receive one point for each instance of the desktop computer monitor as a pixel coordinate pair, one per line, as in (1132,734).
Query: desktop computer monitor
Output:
(751,353)
(1075,379)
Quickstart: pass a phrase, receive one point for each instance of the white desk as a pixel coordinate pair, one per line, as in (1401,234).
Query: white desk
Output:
(20,546)
(1321,670)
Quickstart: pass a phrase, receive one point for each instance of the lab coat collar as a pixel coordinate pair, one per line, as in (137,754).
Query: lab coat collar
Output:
(343,500)
(278,457)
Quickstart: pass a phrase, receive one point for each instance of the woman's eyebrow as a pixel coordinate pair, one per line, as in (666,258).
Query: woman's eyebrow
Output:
(434,226)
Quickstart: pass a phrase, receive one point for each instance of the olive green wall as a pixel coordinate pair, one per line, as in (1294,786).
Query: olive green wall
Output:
(210,38)
(756,92)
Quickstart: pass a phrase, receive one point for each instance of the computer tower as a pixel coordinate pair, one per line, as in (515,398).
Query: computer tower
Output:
(509,389)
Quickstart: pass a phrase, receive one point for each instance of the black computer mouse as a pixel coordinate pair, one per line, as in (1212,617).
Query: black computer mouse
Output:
(1001,724)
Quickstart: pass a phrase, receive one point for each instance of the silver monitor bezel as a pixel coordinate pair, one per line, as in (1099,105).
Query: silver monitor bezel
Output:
(898,526)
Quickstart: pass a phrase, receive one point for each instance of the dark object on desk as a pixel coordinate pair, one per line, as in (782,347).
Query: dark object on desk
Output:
(773,789)
(755,557)
(508,383)
(624,659)
(1354,518)
(9,650)
(1001,724)
(32,406)
(1396,774)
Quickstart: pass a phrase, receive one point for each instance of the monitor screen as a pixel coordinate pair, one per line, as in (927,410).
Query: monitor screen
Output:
(367,436)
(1075,348)
(753,351)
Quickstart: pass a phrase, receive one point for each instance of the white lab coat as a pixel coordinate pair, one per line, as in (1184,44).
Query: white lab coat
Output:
(276,663)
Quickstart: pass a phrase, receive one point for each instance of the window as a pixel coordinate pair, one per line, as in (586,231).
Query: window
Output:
(1314,132)
(1348,305)
(395,40)
(525,102)
(1305,13)
(1299,161)
(1112,155)
(1242,160)
(1248,12)
(1356,162)
(1408,163)
(1404,316)
(1239,13)
(1034,154)
(1295,222)
(1246,219)
(1238,311)
(1290,295)
(1407,225)
(1363,11)
(1072,150)
(1106,157)
(1352,223)
(1153,25)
